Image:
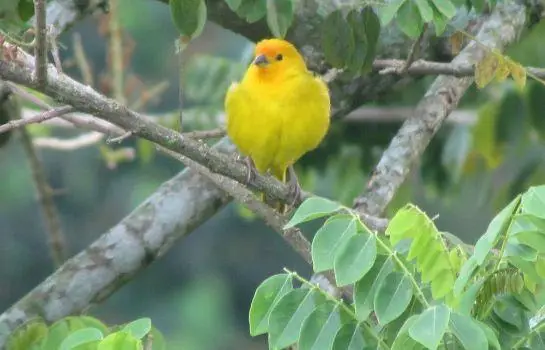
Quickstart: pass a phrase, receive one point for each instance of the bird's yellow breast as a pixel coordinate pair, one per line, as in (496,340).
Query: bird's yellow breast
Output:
(277,123)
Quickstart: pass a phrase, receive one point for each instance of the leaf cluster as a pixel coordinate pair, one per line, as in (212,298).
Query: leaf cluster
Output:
(85,333)
(414,287)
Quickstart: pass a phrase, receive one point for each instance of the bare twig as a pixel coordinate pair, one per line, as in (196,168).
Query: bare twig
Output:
(40,48)
(81,141)
(57,243)
(120,138)
(205,134)
(148,95)
(413,52)
(441,98)
(81,60)
(38,118)
(454,68)
(55,52)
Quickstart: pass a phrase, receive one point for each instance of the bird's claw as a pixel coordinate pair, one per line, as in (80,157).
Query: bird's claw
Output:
(251,170)
(295,189)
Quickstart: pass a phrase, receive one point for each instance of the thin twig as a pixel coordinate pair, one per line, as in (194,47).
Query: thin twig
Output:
(121,138)
(40,48)
(57,243)
(55,52)
(81,60)
(71,144)
(180,52)
(205,134)
(38,118)
(382,114)
(116,52)
(413,52)
(148,95)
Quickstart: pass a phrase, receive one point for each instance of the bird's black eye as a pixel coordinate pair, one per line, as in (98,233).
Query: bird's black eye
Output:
(279,57)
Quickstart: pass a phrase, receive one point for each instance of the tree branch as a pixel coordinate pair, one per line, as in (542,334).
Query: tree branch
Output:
(503,28)
(40,47)
(177,208)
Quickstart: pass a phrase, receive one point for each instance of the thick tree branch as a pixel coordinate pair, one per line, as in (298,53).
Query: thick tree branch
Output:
(178,207)
(502,29)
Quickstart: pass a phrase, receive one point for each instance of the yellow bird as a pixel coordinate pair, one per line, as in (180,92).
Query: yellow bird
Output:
(278,112)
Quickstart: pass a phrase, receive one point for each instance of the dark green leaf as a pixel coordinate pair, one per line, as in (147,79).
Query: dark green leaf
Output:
(409,21)
(468,332)
(139,328)
(279,16)
(392,297)
(25,9)
(337,39)
(388,12)
(366,288)
(330,238)
(403,341)
(80,337)
(313,208)
(440,21)
(510,120)
(355,259)
(265,298)
(357,59)
(536,105)
(351,337)
(288,316)
(430,326)
(479,5)
(189,16)
(491,336)
(371,23)
(252,10)
(319,329)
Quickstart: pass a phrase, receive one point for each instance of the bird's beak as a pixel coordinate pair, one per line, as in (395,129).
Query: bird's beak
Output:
(261,61)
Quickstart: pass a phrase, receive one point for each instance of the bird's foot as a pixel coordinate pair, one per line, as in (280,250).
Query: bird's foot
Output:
(295,188)
(251,170)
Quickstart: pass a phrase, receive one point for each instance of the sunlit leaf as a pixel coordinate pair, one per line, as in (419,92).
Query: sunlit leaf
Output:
(392,297)
(139,328)
(265,298)
(80,337)
(485,69)
(313,208)
(120,341)
(430,326)
(388,12)
(426,11)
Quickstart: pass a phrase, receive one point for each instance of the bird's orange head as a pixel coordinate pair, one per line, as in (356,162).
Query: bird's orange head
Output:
(276,57)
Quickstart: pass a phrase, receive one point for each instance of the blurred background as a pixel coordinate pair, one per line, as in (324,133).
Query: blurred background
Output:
(476,164)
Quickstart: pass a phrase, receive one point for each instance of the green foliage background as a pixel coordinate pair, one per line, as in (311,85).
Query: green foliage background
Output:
(467,174)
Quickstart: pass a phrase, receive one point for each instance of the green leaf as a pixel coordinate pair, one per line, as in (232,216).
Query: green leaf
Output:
(388,12)
(536,104)
(313,208)
(468,332)
(80,337)
(430,326)
(189,16)
(350,337)
(252,10)
(288,315)
(533,201)
(357,58)
(371,25)
(120,341)
(337,39)
(25,8)
(492,338)
(279,16)
(408,19)
(445,7)
(233,4)
(426,11)
(319,329)
(265,298)
(355,258)
(496,228)
(403,341)
(392,297)
(330,239)
(27,336)
(139,328)
(440,21)
(466,272)
(366,288)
